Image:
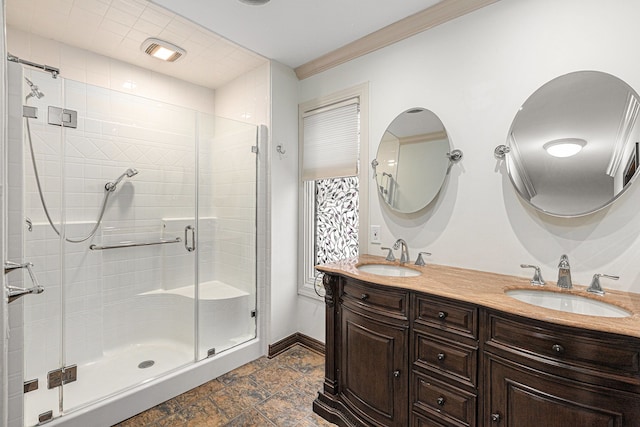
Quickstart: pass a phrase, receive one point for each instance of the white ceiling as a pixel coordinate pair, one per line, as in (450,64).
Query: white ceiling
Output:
(117,28)
(295,32)
(231,38)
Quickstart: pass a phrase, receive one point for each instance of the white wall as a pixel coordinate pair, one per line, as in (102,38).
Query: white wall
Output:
(284,203)
(474,73)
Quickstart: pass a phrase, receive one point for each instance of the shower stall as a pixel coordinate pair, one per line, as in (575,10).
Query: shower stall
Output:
(138,220)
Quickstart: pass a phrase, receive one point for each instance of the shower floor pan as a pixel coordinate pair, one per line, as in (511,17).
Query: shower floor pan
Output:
(116,371)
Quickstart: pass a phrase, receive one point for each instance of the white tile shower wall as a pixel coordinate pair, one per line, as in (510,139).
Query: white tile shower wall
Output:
(234,189)
(15,229)
(246,99)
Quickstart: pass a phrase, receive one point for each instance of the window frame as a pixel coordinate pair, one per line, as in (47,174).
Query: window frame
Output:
(306,222)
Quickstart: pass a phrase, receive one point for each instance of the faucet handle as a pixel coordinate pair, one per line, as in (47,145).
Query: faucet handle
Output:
(420,260)
(537,275)
(564,262)
(595,287)
(390,256)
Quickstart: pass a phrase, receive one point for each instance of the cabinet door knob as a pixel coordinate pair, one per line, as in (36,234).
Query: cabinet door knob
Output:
(441,401)
(441,356)
(442,315)
(396,373)
(495,417)
(557,348)
(364,297)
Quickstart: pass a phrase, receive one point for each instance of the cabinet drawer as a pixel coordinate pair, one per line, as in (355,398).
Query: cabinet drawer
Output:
(604,352)
(419,420)
(391,301)
(443,401)
(458,318)
(453,360)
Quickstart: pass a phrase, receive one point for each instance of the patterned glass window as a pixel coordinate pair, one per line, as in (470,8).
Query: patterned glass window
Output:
(336,219)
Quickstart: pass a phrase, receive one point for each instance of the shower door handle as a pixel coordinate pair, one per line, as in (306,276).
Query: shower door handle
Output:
(13,292)
(192,247)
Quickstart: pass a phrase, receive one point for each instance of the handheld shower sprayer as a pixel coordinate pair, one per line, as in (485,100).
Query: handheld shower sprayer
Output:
(35,91)
(111,186)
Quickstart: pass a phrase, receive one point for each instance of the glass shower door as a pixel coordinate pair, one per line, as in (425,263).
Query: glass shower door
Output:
(227,231)
(129,302)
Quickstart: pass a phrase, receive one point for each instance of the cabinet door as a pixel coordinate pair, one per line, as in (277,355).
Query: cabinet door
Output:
(374,377)
(516,396)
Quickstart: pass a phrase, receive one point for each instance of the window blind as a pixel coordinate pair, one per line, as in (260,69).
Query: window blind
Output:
(331,141)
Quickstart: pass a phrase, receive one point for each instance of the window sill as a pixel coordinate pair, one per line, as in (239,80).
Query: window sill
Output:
(307,291)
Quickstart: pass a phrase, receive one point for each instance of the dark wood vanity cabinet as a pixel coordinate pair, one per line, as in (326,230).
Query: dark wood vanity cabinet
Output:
(398,357)
(444,352)
(539,374)
(373,376)
(366,364)
(387,347)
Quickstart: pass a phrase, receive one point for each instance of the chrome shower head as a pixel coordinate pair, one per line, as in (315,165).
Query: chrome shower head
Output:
(111,186)
(35,91)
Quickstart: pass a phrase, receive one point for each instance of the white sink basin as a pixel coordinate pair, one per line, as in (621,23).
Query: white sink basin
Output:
(388,270)
(569,303)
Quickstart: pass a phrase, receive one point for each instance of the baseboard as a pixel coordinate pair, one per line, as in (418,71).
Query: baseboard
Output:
(293,339)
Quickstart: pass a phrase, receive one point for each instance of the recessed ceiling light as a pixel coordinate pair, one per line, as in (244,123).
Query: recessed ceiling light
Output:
(565,147)
(254,2)
(162,50)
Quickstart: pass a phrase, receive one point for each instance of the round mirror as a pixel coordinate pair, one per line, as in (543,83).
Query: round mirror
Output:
(412,160)
(573,145)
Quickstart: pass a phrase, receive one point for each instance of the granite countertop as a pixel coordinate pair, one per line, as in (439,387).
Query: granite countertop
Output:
(488,290)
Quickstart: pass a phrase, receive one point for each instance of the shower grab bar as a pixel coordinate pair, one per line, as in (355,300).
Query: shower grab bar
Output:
(132,244)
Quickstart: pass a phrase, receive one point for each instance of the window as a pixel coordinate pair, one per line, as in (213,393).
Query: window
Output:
(333,180)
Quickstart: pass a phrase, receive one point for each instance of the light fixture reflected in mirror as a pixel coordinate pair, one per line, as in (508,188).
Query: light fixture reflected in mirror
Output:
(579,175)
(565,147)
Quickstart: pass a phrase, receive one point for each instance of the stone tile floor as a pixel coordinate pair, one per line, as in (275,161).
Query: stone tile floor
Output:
(264,393)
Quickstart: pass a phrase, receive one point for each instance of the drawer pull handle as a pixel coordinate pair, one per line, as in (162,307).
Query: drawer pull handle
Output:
(440,401)
(558,348)
(396,373)
(441,356)
(364,297)
(442,315)
(495,417)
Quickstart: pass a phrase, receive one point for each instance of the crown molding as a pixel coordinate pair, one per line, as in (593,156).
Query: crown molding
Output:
(428,18)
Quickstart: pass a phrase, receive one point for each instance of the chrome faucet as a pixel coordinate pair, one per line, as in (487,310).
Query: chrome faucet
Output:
(404,258)
(564,273)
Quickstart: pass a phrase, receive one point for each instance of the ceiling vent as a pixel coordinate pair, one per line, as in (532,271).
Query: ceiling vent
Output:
(162,50)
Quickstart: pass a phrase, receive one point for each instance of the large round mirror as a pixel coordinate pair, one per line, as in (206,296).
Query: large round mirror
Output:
(573,145)
(412,160)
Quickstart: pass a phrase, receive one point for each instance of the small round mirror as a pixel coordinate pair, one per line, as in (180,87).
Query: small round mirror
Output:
(573,145)
(412,160)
